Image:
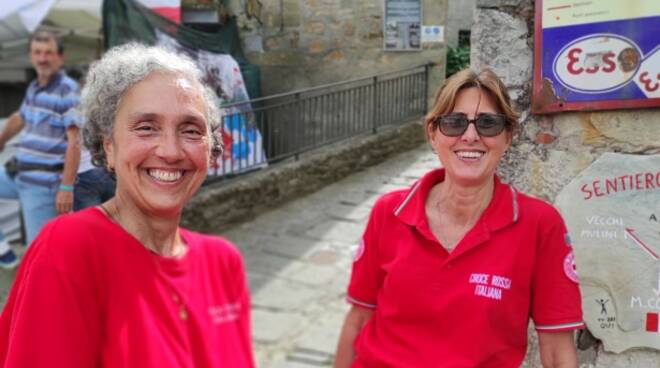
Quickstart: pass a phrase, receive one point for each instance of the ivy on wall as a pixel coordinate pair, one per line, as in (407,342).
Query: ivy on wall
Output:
(458,58)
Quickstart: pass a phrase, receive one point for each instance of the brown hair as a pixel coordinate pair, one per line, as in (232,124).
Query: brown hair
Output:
(486,80)
(44,35)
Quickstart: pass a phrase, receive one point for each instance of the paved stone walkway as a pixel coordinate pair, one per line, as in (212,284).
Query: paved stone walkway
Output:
(298,259)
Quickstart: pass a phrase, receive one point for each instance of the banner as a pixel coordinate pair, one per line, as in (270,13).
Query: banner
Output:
(19,18)
(594,55)
(242,139)
(170,9)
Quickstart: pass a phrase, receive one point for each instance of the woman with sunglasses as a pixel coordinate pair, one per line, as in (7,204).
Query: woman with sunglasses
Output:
(450,271)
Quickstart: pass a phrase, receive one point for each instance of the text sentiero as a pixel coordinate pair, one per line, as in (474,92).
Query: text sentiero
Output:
(623,183)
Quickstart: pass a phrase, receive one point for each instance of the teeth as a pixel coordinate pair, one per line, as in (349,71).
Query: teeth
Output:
(469,154)
(163,175)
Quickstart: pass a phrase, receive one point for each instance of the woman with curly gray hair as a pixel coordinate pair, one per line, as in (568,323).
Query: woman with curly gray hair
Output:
(122,285)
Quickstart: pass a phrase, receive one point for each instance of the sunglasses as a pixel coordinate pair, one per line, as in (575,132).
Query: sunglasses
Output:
(455,124)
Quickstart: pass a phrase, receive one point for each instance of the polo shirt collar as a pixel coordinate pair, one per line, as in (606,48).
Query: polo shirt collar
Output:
(54,81)
(502,211)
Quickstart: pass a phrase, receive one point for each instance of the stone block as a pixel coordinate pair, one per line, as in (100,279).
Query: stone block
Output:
(284,295)
(505,50)
(631,130)
(315,27)
(638,358)
(312,275)
(499,3)
(274,43)
(348,28)
(346,232)
(335,56)
(316,47)
(291,20)
(323,336)
(271,327)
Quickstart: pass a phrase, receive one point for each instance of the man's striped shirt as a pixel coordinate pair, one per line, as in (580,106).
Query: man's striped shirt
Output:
(47,112)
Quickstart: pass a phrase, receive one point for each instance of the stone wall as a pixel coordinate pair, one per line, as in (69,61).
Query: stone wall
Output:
(229,202)
(459,17)
(305,43)
(551,150)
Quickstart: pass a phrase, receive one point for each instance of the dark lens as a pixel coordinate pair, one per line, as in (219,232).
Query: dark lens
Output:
(490,125)
(453,125)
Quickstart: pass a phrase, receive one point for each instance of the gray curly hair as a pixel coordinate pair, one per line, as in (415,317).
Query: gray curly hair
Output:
(120,69)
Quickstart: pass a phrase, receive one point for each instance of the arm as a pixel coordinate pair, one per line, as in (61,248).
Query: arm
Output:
(355,320)
(557,349)
(64,198)
(14,125)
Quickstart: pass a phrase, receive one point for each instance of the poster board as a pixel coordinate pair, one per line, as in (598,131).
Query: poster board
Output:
(402,25)
(612,212)
(596,55)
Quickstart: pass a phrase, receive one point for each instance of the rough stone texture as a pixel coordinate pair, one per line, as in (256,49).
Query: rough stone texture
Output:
(499,3)
(514,66)
(231,201)
(502,39)
(336,40)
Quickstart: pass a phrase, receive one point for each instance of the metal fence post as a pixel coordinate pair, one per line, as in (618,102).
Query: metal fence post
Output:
(427,72)
(297,128)
(374,106)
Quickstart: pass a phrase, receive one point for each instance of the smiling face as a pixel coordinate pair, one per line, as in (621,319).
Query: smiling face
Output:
(160,145)
(470,159)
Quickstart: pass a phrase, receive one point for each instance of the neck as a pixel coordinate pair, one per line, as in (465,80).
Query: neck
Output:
(463,204)
(158,234)
(43,80)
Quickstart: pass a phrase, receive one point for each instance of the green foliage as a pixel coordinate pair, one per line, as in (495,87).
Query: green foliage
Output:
(457,59)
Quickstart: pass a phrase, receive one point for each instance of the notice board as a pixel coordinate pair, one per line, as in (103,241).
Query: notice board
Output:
(596,55)
(402,26)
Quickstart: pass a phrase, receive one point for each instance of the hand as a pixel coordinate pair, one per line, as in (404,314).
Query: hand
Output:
(64,201)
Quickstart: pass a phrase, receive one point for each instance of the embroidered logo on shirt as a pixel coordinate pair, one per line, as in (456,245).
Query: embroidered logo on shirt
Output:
(225,313)
(359,251)
(489,286)
(569,267)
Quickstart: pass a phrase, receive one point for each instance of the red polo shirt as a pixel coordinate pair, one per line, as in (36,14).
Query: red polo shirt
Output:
(469,308)
(88,294)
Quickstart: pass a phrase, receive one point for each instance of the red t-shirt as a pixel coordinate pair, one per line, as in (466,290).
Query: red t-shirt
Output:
(88,294)
(468,308)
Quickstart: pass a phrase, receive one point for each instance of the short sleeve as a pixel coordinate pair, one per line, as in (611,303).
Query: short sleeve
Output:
(367,274)
(22,111)
(556,300)
(49,320)
(71,115)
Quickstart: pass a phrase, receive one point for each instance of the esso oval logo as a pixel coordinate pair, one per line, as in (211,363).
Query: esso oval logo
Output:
(597,63)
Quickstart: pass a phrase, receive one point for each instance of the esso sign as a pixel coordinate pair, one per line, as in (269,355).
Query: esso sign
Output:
(597,63)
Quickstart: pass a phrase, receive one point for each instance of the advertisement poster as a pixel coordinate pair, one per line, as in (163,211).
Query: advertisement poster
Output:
(403,25)
(596,55)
